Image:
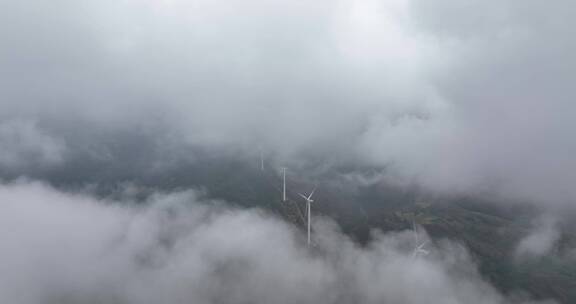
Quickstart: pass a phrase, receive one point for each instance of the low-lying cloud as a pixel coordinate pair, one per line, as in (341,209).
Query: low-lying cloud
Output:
(71,248)
(541,240)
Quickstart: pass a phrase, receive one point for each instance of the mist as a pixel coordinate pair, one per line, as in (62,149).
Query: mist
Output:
(541,241)
(373,101)
(458,97)
(179,248)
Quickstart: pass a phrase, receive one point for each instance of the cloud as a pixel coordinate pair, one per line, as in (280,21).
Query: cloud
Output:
(254,74)
(541,240)
(509,79)
(25,145)
(71,248)
(458,96)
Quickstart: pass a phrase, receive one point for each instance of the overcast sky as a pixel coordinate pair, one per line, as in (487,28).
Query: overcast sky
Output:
(459,95)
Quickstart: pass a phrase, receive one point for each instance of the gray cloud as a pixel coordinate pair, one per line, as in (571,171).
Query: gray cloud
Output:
(458,96)
(24,145)
(541,241)
(71,248)
(510,79)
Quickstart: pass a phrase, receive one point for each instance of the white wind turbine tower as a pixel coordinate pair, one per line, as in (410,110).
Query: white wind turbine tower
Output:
(261,160)
(309,200)
(419,246)
(283,184)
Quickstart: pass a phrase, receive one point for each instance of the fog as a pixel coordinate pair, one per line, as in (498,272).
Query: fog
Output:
(457,96)
(541,241)
(451,97)
(180,248)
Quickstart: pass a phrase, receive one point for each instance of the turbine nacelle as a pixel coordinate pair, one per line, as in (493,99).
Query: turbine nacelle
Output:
(309,197)
(420,250)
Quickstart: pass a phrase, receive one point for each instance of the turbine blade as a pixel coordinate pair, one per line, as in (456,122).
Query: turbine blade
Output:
(422,245)
(302,195)
(312,193)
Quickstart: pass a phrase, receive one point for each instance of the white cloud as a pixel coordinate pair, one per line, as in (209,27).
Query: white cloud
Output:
(541,240)
(453,94)
(64,248)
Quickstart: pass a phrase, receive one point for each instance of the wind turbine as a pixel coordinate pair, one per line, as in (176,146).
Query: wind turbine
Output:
(283,184)
(420,250)
(309,200)
(419,247)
